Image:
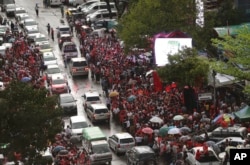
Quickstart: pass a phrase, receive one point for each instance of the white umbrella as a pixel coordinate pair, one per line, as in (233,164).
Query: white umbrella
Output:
(174,131)
(156,119)
(178,117)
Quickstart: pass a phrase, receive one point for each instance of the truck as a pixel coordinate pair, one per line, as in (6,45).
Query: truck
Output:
(96,146)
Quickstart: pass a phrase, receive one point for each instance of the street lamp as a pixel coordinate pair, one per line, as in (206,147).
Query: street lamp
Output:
(214,74)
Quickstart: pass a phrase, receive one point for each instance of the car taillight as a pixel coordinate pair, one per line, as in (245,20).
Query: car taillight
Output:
(73,69)
(94,116)
(118,146)
(86,69)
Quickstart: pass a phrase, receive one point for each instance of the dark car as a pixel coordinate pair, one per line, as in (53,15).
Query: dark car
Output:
(68,103)
(141,155)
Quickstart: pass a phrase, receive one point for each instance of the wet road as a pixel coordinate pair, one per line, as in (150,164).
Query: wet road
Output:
(78,85)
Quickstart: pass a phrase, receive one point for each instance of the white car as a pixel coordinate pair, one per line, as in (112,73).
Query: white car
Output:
(206,159)
(40,38)
(30,23)
(31,33)
(121,142)
(49,58)
(21,18)
(44,46)
(10,10)
(91,97)
(232,141)
(58,84)
(19,11)
(98,112)
(77,123)
(52,70)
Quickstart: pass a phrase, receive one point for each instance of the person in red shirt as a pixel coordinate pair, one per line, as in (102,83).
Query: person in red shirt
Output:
(198,155)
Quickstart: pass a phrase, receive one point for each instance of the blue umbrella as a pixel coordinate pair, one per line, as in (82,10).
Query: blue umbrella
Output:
(58,148)
(131,98)
(25,79)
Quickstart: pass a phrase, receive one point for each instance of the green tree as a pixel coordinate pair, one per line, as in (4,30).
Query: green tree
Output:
(28,119)
(185,68)
(147,18)
(236,50)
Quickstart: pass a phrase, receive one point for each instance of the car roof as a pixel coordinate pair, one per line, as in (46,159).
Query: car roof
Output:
(143,149)
(57,76)
(63,26)
(43,43)
(48,54)
(29,20)
(123,135)
(99,142)
(239,139)
(69,43)
(77,59)
(31,28)
(52,66)
(40,35)
(65,35)
(75,119)
(20,8)
(23,15)
(91,93)
(201,148)
(99,106)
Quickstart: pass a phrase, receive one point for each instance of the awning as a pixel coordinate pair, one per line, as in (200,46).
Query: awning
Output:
(230,30)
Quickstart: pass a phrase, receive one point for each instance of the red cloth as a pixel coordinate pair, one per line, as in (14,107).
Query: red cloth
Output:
(198,155)
(157,82)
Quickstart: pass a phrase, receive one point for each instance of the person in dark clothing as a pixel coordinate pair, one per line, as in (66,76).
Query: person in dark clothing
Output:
(52,34)
(48,29)
(37,10)
(12,26)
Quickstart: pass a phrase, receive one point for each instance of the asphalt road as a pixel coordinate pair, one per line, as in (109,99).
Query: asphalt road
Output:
(77,85)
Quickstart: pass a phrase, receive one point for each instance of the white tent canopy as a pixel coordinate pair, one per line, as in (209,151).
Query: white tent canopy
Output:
(221,80)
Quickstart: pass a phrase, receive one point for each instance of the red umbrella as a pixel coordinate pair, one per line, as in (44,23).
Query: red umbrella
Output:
(147,130)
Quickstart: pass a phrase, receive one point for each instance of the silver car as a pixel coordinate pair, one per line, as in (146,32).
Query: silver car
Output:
(121,142)
(98,112)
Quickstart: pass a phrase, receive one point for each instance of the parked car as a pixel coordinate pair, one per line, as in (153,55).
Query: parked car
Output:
(31,33)
(91,97)
(78,66)
(232,141)
(44,46)
(63,29)
(105,23)
(52,70)
(59,84)
(30,23)
(69,50)
(10,10)
(77,123)
(86,4)
(98,112)
(121,142)
(18,11)
(40,38)
(141,155)
(101,14)
(206,158)
(21,18)
(49,59)
(68,103)
(64,38)
(97,6)
(4,3)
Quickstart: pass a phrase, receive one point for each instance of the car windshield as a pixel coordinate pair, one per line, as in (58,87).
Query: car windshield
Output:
(80,64)
(64,29)
(79,125)
(210,157)
(41,39)
(33,31)
(10,7)
(30,23)
(52,58)
(70,48)
(44,46)
(100,111)
(20,11)
(67,99)
(23,18)
(58,81)
(127,140)
(53,70)
(94,98)
(100,148)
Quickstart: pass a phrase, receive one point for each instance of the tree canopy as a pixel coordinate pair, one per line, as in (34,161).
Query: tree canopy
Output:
(236,52)
(147,18)
(27,118)
(185,68)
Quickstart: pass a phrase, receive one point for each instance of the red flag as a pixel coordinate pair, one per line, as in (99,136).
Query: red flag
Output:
(157,82)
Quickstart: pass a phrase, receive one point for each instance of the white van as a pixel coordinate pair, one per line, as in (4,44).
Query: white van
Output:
(55,2)
(101,14)
(98,6)
(77,123)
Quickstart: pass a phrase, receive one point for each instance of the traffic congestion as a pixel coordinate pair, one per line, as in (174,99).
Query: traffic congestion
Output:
(114,112)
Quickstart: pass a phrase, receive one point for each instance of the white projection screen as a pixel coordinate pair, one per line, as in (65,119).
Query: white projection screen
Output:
(169,46)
